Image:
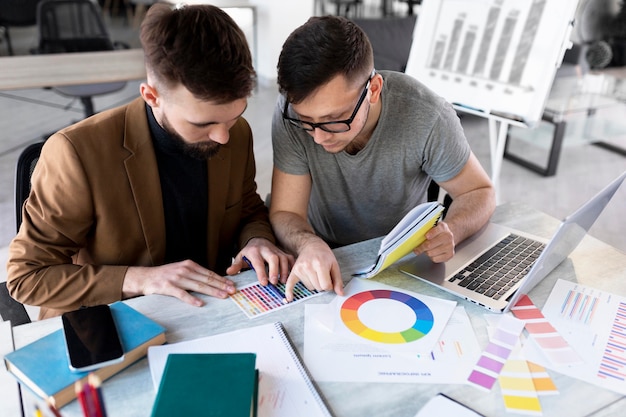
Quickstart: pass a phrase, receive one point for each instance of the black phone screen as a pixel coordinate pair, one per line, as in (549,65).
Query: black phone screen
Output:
(91,338)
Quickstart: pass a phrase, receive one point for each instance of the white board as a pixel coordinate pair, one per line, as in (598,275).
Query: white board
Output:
(497,57)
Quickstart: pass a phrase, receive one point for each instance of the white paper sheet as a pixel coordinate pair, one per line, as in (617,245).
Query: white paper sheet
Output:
(594,323)
(333,353)
(10,406)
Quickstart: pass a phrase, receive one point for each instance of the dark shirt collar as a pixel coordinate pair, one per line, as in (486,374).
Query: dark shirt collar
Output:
(162,140)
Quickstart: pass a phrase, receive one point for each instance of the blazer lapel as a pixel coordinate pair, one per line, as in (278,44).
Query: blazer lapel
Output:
(218,172)
(143,175)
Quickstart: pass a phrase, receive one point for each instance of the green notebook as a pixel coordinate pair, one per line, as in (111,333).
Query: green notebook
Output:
(208,384)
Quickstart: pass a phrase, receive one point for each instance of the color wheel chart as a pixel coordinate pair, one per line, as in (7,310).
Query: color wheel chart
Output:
(256,300)
(380,333)
(393,319)
(420,327)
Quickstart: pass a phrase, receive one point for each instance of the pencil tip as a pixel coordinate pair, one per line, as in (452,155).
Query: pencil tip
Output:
(95,380)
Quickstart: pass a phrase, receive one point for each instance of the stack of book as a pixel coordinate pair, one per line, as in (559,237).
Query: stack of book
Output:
(42,366)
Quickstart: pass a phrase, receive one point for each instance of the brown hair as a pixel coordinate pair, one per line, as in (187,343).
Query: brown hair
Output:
(200,47)
(318,51)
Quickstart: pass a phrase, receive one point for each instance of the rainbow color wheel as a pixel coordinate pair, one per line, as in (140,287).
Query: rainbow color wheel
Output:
(423,317)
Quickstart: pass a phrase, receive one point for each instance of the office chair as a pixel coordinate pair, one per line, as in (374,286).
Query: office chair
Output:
(67,26)
(391,40)
(141,7)
(23,171)
(342,7)
(16,13)
(410,4)
(10,309)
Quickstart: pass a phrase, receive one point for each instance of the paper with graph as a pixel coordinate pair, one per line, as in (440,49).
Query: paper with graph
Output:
(495,56)
(592,321)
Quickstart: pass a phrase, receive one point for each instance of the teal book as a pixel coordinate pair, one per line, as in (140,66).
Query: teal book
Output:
(42,366)
(208,384)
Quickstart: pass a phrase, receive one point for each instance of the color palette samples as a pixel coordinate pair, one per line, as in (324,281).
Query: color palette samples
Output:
(421,326)
(522,383)
(613,362)
(255,299)
(544,334)
(541,379)
(518,389)
(501,343)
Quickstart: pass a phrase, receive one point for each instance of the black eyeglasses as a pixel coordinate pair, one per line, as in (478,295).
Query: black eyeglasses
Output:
(338,126)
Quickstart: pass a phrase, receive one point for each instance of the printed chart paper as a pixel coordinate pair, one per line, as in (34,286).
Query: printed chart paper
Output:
(333,351)
(594,323)
(256,300)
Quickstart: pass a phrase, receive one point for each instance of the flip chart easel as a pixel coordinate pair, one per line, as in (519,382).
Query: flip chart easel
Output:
(492,58)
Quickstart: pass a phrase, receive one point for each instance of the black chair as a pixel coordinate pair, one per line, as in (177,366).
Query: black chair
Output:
(16,13)
(24,170)
(10,309)
(391,39)
(345,8)
(67,26)
(411,4)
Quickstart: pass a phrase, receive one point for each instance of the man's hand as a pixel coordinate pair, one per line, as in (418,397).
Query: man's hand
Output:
(439,244)
(261,252)
(317,268)
(176,280)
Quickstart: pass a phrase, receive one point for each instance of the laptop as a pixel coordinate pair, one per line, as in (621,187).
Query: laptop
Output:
(497,265)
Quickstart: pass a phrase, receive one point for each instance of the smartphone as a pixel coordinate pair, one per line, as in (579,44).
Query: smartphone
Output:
(91,338)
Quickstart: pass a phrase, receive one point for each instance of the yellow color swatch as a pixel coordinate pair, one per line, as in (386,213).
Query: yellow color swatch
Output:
(515,402)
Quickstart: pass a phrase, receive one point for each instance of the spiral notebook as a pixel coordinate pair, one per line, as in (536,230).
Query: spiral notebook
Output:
(285,386)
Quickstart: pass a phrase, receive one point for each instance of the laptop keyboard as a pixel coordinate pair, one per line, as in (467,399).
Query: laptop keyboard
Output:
(501,267)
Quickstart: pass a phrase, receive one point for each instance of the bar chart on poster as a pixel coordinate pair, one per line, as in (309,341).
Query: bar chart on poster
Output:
(496,57)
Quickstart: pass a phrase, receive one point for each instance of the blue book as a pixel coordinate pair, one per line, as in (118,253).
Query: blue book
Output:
(42,366)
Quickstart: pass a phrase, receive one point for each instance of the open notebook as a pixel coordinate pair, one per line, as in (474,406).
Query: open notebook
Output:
(409,233)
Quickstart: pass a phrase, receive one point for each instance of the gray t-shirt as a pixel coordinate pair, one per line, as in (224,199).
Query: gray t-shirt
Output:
(362,196)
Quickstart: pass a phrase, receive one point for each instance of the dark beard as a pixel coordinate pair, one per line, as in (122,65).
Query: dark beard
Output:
(200,150)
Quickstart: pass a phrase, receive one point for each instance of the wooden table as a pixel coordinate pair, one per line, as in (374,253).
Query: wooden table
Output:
(593,263)
(36,71)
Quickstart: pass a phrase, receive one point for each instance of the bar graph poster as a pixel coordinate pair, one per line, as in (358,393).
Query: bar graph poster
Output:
(495,56)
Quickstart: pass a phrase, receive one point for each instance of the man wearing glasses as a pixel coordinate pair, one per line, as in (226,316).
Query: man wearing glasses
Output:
(355,150)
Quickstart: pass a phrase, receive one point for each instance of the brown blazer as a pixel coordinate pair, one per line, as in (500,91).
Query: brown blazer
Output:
(95,208)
